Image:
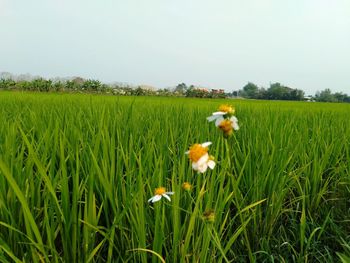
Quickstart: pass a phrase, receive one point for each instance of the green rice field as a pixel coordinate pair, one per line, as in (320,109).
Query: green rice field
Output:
(77,171)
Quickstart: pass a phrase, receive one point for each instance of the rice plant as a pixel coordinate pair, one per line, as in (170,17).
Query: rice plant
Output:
(77,172)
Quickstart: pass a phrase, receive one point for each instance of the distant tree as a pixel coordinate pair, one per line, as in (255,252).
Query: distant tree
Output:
(39,84)
(250,90)
(325,96)
(7,83)
(78,80)
(92,85)
(217,93)
(190,91)
(276,92)
(128,90)
(24,85)
(280,92)
(198,92)
(234,93)
(165,92)
(139,92)
(71,85)
(105,88)
(296,94)
(340,97)
(262,95)
(58,86)
(181,88)
(347,99)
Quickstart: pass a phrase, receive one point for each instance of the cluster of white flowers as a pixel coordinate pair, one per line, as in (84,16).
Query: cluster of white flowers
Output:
(225,120)
(198,153)
(201,160)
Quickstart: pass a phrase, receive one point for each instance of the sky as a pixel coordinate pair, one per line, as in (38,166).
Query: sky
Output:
(215,44)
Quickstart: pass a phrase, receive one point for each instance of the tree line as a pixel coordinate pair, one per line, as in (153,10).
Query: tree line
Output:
(94,86)
(276,91)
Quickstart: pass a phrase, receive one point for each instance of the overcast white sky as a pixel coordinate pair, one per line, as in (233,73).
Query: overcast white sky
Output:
(215,44)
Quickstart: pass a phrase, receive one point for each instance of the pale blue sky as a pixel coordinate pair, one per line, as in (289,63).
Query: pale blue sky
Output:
(215,44)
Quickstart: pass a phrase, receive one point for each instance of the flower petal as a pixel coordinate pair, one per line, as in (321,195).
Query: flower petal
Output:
(202,168)
(218,121)
(219,113)
(187,152)
(213,117)
(234,123)
(194,166)
(203,159)
(206,144)
(234,119)
(166,196)
(156,198)
(169,193)
(211,164)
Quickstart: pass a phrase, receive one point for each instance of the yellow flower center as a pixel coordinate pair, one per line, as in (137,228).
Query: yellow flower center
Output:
(186,186)
(227,108)
(159,191)
(226,125)
(196,152)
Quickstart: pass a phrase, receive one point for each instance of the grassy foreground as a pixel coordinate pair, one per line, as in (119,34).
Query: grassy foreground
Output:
(76,172)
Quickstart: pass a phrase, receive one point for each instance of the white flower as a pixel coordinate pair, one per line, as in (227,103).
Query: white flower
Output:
(225,111)
(228,125)
(159,193)
(203,163)
(234,121)
(197,150)
(217,116)
(200,158)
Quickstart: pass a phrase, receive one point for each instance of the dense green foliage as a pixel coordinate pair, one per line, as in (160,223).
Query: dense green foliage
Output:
(94,86)
(327,96)
(76,172)
(43,85)
(276,91)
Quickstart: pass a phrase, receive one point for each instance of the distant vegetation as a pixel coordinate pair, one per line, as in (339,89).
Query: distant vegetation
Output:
(276,91)
(94,86)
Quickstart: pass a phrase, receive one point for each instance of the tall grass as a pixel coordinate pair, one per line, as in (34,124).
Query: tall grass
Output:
(76,172)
